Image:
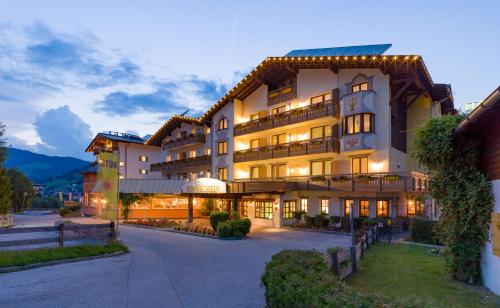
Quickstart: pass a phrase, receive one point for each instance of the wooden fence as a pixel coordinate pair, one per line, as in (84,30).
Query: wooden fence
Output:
(65,232)
(344,262)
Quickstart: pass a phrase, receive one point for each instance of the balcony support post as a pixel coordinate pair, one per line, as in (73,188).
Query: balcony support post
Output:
(190,208)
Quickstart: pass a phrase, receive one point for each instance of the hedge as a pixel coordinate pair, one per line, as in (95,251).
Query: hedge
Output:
(234,228)
(301,278)
(218,217)
(422,231)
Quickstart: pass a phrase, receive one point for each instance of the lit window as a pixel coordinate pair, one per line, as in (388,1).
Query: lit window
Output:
(348,204)
(254,172)
(279,139)
(303,204)
(278,110)
(359,87)
(143,158)
(317,132)
(254,117)
(222,147)
(359,164)
(222,124)
(278,171)
(415,207)
(122,163)
(359,123)
(222,174)
(254,144)
(325,205)
(289,207)
(382,208)
(207,151)
(143,171)
(364,208)
(264,209)
(321,167)
(321,98)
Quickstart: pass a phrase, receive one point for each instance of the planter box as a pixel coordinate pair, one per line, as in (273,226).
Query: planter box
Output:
(6,220)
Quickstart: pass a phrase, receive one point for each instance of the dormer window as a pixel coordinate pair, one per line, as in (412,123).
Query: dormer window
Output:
(363,86)
(222,124)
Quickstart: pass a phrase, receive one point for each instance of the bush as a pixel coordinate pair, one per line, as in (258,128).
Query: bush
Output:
(357,223)
(309,220)
(346,224)
(334,220)
(297,215)
(301,278)
(69,211)
(218,217)
(319,221)
(370,222)
(207,206)
(234,228)
(422,231)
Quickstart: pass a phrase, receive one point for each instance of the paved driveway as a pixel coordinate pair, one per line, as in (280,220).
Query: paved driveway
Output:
(162,270)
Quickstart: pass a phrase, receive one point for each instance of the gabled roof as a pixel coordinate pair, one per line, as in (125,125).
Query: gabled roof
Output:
(485,112)
(113,136)
(172,123)
(360,50)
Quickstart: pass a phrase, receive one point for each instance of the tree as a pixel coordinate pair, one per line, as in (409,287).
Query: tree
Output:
(22,189)
(127,200)
(5,187)
(461,190)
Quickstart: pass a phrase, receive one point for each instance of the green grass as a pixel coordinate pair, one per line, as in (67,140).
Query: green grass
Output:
(26,257)
(409,272)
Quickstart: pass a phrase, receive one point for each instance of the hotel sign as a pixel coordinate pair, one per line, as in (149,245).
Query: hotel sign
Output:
(204,186)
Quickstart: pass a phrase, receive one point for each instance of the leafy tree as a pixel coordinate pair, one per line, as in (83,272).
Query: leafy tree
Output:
(22,189)
(207,207)
(462,191)
(5,187)
(127,200)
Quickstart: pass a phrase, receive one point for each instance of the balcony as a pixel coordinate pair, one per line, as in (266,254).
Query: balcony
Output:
(307,147)
(187,140)
(315,111)
(358,102)
(372,182)
(281,95)
(356,142)
(182,164)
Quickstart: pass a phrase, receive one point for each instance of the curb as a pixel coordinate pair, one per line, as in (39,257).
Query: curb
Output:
(187,233)
(57,262)
(317,231)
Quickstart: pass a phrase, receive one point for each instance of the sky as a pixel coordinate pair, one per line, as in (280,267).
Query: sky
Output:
(69,70)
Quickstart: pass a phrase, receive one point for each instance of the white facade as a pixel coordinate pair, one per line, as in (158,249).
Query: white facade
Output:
(135,160)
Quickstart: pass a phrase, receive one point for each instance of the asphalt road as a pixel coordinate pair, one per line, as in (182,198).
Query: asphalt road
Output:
(162,270)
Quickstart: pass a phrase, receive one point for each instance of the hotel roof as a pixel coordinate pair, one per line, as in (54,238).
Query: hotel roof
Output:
(114,136)
(487,110)
(361,50)
(172,123)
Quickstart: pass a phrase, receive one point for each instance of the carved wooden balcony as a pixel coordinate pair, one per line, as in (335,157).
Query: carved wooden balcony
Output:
(187,140)
(182,164)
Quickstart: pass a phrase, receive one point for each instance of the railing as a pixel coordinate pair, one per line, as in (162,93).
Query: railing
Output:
(372,182)
(65,232)
(190,139)
(282,94)
(293,116)
(181,163)
(311,146)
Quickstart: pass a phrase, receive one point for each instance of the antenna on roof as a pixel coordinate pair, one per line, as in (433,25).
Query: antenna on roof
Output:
(185,112)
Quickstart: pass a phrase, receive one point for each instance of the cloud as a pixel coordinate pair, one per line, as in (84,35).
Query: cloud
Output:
(169,98)
(63,133)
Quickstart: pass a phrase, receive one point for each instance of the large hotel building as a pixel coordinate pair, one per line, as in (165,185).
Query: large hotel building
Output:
(319,130)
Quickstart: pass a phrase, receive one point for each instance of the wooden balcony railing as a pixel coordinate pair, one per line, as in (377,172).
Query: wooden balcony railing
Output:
(180,164)
(372,182)
(315,111)
(190,139)
(311,146)
(282,94)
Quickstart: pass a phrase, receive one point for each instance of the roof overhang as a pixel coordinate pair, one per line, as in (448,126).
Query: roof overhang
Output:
(481,112)
(172,123)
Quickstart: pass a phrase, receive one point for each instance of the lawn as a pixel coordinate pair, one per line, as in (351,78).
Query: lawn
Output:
(411,272)
(26,257)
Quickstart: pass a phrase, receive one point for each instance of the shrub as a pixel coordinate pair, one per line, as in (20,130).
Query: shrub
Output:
(69,211)
(422,230)
(319,220)
(334,219)
(370,222)
(234,228)
(225,229)
(326,222)
(301,278)
(357,223)
(218,217)
(245,224)
(346,224)
(309,220)
(297,215)
(207,206)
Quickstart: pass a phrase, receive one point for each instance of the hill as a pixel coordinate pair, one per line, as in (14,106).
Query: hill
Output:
(42,168)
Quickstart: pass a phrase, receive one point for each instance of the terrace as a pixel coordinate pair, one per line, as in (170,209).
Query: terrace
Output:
(182,164)
(197,138)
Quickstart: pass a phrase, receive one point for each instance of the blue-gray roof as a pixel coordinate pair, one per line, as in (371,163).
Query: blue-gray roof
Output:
(121,137)
(361,50)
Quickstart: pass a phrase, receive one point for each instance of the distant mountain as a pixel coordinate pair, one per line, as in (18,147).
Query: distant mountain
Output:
(42,168)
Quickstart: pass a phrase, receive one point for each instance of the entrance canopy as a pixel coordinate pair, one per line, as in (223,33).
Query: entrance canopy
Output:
(204,186)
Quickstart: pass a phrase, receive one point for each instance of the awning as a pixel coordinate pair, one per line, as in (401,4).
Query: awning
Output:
(137,186)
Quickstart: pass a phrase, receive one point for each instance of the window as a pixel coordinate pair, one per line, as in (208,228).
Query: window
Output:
(222,174)
(359,87)
(182,155)
(364,208)
(289,207)
(222,148)
(325,205)
(254,117)
(415,207)
(143,158)
(264,209)
(207,151)
(143,171)
(382,208)
(278,110)
(254,172)
(254,144)
(278,171)
(321,98)
(359,164)
(348,205)
(359,123)
(303,204)
(317,132)
(183,134)
(222,124)
(122,163)
(243,208)
(321,167)
(279,139)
